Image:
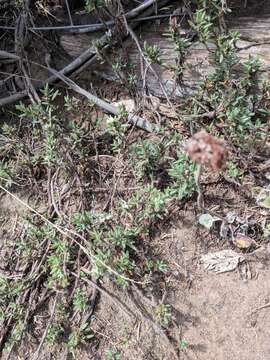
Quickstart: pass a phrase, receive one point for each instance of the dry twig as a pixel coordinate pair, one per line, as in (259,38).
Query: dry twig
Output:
(109,295)
(132,118)
(36,354)
(90,55)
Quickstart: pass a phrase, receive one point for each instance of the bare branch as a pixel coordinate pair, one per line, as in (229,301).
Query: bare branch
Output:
(132,118)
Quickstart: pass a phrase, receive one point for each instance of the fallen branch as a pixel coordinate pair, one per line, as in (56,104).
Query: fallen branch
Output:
(76,29)
(147,317)
(135,12)
(7,55)
(105,292)
(87,57)
(132,118)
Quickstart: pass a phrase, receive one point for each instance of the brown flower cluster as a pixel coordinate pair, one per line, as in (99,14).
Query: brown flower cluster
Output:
(205,149)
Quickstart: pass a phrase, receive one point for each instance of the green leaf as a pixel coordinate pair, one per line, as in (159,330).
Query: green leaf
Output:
(206,220)
(263,198)
(183,344)
(265,203)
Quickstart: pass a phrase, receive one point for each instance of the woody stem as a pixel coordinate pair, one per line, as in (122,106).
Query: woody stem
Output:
(200,200)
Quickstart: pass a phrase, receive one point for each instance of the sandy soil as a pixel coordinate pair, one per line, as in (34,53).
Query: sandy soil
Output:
(220,317)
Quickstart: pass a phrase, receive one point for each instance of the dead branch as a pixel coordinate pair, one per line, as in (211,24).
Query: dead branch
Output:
(7,55)
(135,12)
(110,296)
(132,118)
(88,56)
(88,28)
(148,318)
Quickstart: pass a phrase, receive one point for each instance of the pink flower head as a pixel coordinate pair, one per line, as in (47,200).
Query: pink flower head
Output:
(205,149)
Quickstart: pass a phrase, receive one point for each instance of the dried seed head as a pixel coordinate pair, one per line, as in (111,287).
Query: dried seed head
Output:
(205,149)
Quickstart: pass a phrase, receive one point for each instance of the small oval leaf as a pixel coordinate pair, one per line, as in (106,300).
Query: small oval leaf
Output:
(265,203)
(263,198)
(206,220)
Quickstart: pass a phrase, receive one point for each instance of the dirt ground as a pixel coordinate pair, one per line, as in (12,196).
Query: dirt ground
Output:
(219,316)
(213,316)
